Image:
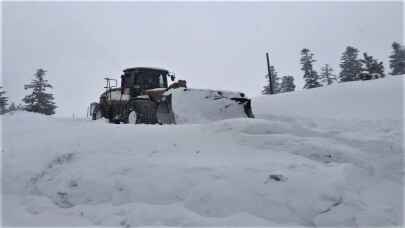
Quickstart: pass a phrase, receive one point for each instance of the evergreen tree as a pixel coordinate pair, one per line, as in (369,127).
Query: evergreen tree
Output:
(275,82)
(371,68)
(310,75)
(397,59)
(327,77)
(3,101)
(12,107)
(350,65)
(39,101)
(287,84)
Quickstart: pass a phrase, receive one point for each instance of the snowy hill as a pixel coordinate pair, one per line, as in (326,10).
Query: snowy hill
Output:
(329,156)
(363,100)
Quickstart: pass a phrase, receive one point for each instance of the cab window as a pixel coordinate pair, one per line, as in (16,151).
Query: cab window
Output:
(161,81)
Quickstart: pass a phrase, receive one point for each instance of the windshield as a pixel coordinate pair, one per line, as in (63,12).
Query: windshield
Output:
(146,79)
(151,80)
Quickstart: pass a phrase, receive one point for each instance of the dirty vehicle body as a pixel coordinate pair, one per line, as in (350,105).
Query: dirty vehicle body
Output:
(145,97)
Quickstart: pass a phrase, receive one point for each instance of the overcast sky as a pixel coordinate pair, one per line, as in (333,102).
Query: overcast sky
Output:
(211,45)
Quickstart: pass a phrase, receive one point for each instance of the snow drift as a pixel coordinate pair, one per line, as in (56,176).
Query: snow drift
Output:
(303,167)
(203,106)
(362,100)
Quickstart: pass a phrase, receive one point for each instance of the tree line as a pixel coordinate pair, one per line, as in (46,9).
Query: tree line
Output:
(39,100)
(352,68)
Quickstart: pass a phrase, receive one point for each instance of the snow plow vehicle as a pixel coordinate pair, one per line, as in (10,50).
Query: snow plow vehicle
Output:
(145,97)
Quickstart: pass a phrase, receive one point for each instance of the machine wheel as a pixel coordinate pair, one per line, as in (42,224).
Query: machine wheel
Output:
(96,114)
(146,111)
(164,112)
(132,117)
(114,121)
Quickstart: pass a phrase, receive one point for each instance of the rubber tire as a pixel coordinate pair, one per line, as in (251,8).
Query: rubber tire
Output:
(146,111)
(97,114)
(114,121)
(132,117)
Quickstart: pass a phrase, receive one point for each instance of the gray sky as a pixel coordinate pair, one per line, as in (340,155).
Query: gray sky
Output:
(212,45)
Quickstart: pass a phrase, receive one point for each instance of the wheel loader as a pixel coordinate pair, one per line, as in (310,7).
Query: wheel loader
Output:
(144,96)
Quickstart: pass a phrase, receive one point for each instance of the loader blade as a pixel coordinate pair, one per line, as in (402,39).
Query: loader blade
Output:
(179,106)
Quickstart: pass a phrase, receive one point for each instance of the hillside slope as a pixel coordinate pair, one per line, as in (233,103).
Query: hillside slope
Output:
(362,100)
(290,166)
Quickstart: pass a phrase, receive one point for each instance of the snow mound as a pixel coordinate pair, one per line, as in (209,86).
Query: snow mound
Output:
(362,100)
(282,169)
(203,106)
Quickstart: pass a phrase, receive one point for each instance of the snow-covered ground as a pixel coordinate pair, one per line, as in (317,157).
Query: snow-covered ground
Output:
(329,156)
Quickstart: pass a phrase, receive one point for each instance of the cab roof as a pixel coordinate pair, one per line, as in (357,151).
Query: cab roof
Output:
(145,69)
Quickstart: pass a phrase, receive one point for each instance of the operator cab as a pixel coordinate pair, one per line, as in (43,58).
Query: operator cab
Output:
(143,78)
(135,81)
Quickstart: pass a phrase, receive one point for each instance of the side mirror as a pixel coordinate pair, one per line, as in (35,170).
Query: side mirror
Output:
(172,76)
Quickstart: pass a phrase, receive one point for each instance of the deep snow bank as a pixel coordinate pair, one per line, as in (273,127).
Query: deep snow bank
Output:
(279,169)
(204,106)
(363,100)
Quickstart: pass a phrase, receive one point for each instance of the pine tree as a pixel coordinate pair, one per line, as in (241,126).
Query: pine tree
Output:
(310,75)
(39,101)
(371,68)
(350,65)
(12,107)
(397,59)
(287,84)
(275,82)
(327,77)
(3,101)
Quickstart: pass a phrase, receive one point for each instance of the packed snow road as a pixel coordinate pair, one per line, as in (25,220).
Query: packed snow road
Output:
(286,167)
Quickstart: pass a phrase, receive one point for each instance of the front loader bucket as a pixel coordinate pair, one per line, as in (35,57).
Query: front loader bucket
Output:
(179,106)
(247,107)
